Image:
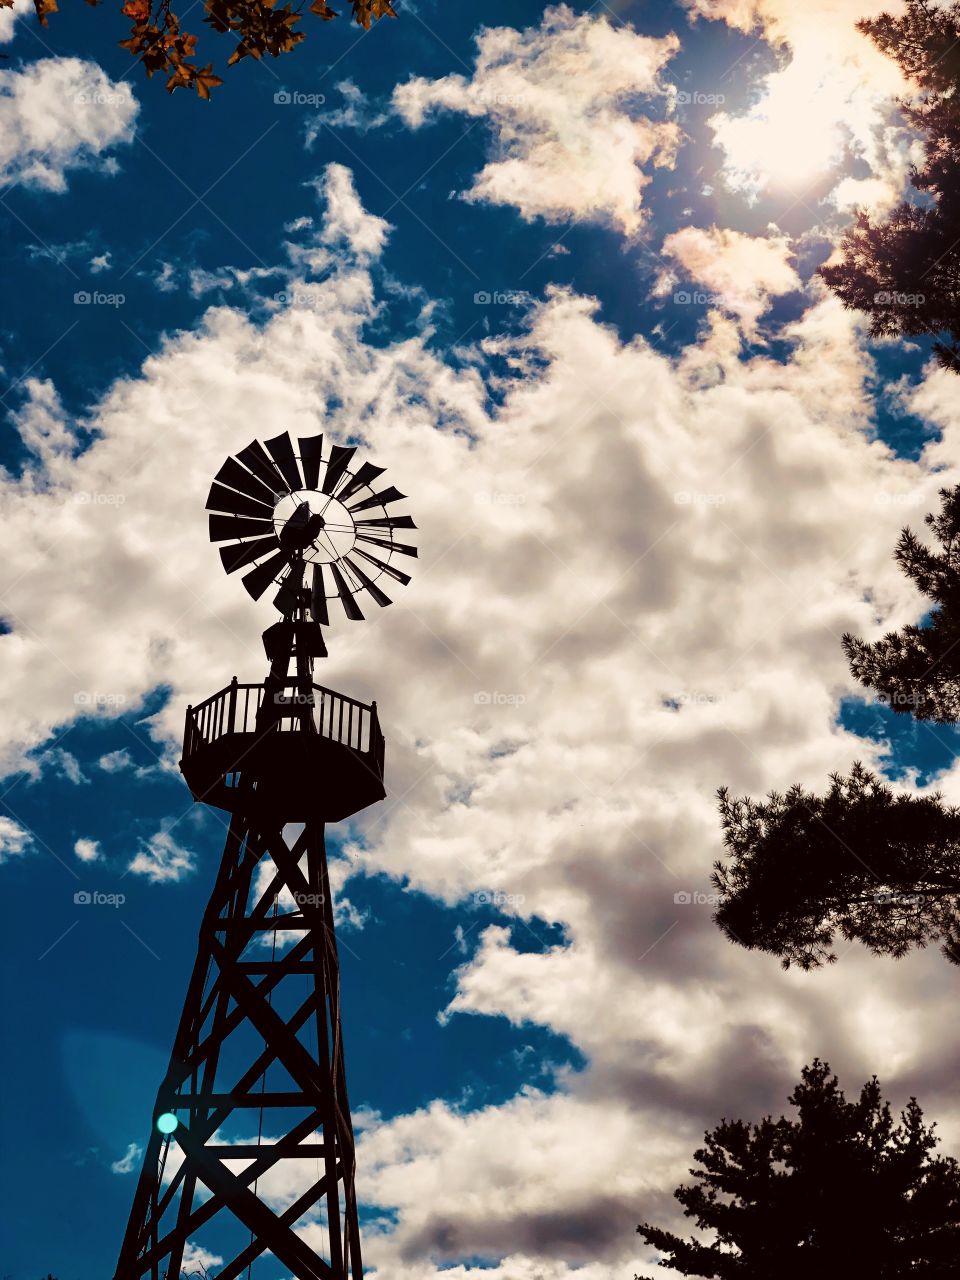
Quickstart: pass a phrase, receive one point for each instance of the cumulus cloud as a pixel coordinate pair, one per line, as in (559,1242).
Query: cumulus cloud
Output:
(88,850)
(129,1161)
(14,839)
(561,101)
(555,722)
(8,18)
(59,114)
(743,273)
(161,860)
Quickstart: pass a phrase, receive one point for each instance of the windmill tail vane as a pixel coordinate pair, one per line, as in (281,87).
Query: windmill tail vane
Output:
(251,1147)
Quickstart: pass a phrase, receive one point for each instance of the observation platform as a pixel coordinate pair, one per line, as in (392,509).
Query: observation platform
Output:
(320,759)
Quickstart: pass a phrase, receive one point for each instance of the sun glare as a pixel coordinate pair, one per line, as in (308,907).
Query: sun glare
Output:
(795,133)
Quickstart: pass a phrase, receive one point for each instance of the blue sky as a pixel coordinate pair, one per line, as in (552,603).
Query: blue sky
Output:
(567,298)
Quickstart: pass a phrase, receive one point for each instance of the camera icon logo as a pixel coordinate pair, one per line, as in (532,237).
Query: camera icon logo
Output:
(282,97)
(82,898)
(482,297)
(682,899)
(81,298)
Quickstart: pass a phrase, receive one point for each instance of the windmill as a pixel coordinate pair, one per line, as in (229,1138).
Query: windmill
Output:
(251,1149)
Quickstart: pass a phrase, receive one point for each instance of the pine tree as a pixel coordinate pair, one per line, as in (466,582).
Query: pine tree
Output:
(860,863)
(842,1192)
(918,669)
(904,271)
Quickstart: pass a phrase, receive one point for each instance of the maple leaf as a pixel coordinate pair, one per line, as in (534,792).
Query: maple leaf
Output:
(205,80)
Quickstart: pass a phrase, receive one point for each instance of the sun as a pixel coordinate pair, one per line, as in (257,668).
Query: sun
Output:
(800,129)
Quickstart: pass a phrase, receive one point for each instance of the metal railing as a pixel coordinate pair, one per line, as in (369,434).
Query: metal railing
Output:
(332,715)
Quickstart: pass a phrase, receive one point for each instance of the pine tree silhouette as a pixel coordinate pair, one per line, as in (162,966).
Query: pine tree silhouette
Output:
(904,271)
(842,1192)
(917,670)
(860,863)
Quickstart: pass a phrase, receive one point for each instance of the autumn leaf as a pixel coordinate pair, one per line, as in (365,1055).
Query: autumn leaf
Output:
(205,80)
(43,7)
(139,9)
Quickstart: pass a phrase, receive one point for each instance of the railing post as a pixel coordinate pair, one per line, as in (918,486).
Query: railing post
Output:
(233,706)
(187,731)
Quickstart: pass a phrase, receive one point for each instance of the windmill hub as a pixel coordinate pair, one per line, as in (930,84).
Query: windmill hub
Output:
(316,524)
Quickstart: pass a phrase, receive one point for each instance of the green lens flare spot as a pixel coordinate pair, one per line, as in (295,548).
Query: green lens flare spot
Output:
(167,1122)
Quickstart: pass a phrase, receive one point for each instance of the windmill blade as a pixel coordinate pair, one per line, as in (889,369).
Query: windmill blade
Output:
(254,458)
(318,597)
(238,477)
(383,566)
(310,458)
(381,597)
(226,528)
(340,456)
(281,450)
(222,499)
(365,476)
(404,548)
(350,606)
(379,499)
(388,522)
(258,579)
(242,553)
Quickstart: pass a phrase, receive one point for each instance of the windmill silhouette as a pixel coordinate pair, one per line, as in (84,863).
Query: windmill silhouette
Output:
(252,1139)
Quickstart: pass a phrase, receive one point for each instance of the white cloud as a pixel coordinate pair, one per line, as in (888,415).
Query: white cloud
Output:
(88,851)
(116,761)
(579,540)
(129,1161)
(833,97)
(357,113)
(742,273)
(162,860)
(8,18)
(59,114)
(195,1257)
(100,262)
(560,98)
(14,839)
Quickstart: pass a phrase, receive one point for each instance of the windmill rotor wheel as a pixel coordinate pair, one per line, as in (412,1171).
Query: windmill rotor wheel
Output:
(309,517)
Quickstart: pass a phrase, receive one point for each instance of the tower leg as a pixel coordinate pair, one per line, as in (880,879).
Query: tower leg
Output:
(263,1146)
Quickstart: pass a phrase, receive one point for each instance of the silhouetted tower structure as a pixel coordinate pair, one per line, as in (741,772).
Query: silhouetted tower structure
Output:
(251,1147)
